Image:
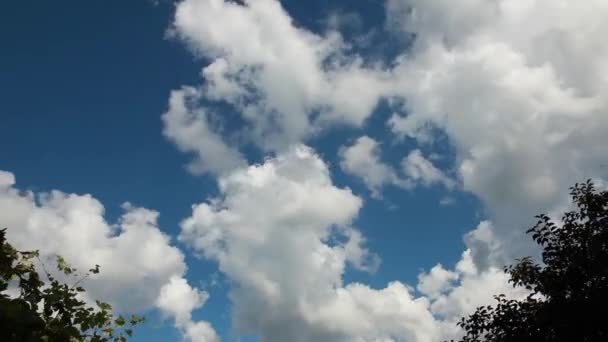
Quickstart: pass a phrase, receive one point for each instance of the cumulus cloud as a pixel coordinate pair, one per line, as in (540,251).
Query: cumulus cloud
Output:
(461,291)
(362,159)
(287,86)
(523,104)
(436,281)
(187,124)
(281,233)
(6,179)
(418,169)
(136,258)
(518,88)
(525,120)
(178,299)
(487,248)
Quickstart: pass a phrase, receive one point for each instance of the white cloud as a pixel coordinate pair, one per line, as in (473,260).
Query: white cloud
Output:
(525,121)
(360,313)
(287,86)
(178,299)
(436,281)
(277,232)
(473,288)
(136,258)
(520,90)
(446,201)
(453,294)
(338,20)
(200,332)
(187,125)
(486,247)
(6,179)
(362,159)
(418,169)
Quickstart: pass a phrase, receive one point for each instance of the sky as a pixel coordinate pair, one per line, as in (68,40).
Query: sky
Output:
(264,170)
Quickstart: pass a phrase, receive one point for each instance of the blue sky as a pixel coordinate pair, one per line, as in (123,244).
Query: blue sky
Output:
(443,132)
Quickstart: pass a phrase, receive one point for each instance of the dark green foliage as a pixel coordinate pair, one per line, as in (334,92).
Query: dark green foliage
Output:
(569,291)
(49,310)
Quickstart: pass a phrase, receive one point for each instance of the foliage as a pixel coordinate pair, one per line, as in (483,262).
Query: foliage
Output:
(51,310)
(568,298)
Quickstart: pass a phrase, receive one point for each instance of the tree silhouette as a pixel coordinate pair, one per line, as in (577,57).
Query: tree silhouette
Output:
(568,298)
(51,311)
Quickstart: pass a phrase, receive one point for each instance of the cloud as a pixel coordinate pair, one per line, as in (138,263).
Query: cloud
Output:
(459,292)
(362,159)
(436,281)
(286,86)
(136,258)
(418,169)
(178,299)
(281,233)
(187,125)
(525,121)
(7,179)
(523,105)
(519,90)
(453,294)
(487,249)
(446,201)
(338,20)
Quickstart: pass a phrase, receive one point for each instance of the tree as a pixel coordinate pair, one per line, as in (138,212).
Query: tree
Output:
(568,298)
(51,311)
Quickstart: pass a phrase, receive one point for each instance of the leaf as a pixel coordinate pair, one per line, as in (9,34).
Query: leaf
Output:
(120,321)
(94,270)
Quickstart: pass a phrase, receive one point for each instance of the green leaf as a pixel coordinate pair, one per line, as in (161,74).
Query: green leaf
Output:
(104,306)
(94,270)
(120,321)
